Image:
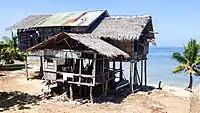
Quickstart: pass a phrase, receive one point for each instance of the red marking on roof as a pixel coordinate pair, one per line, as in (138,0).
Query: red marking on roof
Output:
(74,20)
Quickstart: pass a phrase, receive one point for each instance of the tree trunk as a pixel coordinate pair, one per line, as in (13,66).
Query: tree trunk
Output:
(190,83)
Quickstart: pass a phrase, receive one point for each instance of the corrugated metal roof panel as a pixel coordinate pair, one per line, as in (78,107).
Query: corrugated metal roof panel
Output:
(84,18)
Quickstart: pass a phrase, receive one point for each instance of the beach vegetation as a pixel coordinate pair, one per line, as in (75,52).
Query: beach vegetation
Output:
(189,61)
(9,50)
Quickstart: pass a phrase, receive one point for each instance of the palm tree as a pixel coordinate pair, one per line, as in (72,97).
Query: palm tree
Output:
(189,61)
(10,50)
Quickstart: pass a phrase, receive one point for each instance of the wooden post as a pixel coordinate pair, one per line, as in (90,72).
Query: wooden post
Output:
(103,70)
(145,72)
(113,68)
(71,92)
(80,91)
(80,66)
(103,78)
(107,77)
(41,66)
(135,76)
(121,73)
(141,73)
(93,73)
(94,68)
(131,73)
(26,67)
(91,95)
(113,76)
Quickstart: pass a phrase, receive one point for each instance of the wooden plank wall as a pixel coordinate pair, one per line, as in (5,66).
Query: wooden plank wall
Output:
(44,33)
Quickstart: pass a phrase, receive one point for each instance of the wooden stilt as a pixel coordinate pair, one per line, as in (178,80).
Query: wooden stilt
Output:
(91,95)
(141,73)
(135,76)
(121,73)
(113,76)
(113,68)
(107,77)
(85,90)
(138,77)
(145,72)
(71,92)
(26,67)
(94,68)
(80,66)
(80,91)
(106,88)
(41,66)
(103,78)
(131,73)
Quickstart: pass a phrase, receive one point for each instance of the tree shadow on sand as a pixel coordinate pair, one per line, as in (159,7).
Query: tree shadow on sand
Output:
(11,99)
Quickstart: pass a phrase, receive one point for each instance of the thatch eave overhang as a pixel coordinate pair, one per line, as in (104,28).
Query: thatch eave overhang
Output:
(93,43)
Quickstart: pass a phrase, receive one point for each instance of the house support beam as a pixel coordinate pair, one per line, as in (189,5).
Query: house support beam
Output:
(80,66)
(141,73)
(71,92)
(41,66)
(107,76)
(103,78)
(93,73)
(91,95)
(94,67)
(121,73)
(135,76)
(114,68)
(145,72)
(26,67)
(131,74)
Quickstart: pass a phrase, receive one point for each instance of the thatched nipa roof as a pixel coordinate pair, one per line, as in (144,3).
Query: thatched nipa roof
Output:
(121,28)
(93,43)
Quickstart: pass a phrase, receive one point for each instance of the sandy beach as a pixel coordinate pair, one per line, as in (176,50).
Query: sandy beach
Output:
(18,95)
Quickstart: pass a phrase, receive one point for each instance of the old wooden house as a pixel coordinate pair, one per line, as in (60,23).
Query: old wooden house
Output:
(79,50)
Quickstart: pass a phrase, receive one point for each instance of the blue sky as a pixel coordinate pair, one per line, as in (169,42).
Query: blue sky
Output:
(176,21)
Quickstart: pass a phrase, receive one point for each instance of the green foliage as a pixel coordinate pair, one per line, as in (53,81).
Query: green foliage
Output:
(189,61)
(9,51)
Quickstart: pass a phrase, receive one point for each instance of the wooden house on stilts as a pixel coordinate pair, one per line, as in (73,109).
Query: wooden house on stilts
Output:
(79,50)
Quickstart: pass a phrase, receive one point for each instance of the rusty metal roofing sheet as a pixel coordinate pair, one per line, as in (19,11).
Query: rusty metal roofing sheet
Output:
(84,18)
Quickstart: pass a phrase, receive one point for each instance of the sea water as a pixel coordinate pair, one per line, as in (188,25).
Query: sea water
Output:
(160,65)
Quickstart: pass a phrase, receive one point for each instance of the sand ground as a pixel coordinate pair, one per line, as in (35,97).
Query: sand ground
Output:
(17,95)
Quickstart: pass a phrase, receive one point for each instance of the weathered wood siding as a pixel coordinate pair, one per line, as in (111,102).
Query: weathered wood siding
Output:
(31,37)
